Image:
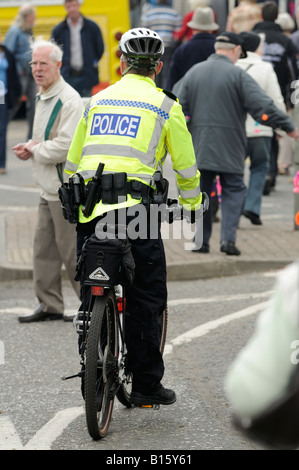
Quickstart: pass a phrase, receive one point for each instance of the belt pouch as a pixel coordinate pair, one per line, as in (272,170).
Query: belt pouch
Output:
(69,209)
(136,189)
(107,188)
(120,187)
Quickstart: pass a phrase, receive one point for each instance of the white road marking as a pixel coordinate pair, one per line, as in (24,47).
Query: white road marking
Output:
(201,330)
(219,298)
(173,303)
(9,436)
(45,437)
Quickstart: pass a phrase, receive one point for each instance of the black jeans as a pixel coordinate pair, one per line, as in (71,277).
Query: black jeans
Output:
(146,300)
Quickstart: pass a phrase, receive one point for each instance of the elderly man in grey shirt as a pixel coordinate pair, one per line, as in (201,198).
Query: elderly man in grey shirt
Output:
(217,96)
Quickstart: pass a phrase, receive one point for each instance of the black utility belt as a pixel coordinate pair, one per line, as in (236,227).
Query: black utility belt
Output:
(110,188)
(115,186)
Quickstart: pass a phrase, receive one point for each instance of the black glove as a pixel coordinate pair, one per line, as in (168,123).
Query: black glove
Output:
(192,216)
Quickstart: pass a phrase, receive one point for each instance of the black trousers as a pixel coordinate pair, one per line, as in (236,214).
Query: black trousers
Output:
(146,300)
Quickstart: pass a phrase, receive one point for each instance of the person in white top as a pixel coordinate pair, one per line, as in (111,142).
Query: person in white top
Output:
(258,136)
(262,382)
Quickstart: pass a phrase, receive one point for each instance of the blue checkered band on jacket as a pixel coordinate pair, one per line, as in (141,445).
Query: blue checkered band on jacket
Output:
(133,104)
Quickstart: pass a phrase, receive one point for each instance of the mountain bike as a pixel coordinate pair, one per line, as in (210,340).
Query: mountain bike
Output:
(105,359)
(101,327)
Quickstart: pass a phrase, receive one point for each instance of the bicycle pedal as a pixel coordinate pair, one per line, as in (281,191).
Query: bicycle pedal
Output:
(153,407)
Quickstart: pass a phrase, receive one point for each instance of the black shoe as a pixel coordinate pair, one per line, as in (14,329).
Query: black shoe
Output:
(229,248)
(40,315)
(254,218)
(203,249)
(164,396)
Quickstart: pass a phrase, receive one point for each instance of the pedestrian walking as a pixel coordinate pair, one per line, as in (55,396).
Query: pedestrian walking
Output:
(218,95)
(58,110)
(197,49)
(285,159)
(259,137)
(165,20)
(280,51)
(17,40)
(244,16)
(83,46)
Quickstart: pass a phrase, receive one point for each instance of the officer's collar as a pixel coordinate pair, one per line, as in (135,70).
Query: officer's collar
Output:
(134,76)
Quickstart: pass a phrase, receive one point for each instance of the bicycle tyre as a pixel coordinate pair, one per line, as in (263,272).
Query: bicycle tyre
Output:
(124,391)
(101,365)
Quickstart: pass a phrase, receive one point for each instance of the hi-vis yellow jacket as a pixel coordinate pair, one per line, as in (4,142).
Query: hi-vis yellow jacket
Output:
(130,126)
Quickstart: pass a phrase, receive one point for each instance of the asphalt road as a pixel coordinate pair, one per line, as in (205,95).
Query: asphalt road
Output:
(40,411)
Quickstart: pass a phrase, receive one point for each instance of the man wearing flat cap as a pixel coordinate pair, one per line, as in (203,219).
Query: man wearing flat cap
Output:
(197,49)
(217,96)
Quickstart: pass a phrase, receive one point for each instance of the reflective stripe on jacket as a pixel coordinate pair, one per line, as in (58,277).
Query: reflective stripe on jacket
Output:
(130,127)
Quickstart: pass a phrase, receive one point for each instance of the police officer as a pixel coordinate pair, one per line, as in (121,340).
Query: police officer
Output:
(129,127)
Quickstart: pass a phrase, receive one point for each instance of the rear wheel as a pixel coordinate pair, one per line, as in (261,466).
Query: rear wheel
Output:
(101,365)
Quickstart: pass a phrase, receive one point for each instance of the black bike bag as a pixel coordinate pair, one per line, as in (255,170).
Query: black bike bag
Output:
(107,262)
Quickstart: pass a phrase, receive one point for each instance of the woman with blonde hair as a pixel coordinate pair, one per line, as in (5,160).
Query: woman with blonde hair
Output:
(244,17)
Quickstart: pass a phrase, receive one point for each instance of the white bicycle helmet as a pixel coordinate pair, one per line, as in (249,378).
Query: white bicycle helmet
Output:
(141,43)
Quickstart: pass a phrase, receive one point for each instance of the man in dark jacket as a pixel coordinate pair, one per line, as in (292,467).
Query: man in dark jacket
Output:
(218,95)
(197,49)
(280,51)
(83,47)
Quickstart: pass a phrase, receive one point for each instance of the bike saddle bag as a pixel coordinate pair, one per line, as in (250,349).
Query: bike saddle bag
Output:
(106,262)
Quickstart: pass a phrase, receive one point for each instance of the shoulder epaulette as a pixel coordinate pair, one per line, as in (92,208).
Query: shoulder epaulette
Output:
(170,94)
